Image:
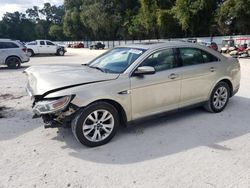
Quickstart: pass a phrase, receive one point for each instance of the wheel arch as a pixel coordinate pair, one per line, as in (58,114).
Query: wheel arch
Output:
(118,106)
(227,81)
(10,57)
(29,49)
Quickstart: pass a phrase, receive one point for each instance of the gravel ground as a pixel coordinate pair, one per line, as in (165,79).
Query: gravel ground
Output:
(189,149)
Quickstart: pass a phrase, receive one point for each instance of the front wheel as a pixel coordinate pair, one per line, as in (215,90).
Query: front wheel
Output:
(60,52)
(219,98)
(96,124)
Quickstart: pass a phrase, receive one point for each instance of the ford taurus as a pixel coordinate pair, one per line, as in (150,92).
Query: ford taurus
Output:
(129,83)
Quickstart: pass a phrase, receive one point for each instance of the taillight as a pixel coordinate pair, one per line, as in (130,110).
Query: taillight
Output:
(25,50)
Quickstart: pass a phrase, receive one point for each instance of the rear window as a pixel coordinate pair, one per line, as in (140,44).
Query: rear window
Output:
(32,43)
(194,56)
(4,45)
(50,43)
(207,57)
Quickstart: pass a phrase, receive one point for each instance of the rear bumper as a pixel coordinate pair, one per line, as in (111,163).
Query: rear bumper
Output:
(25,59)
(235,90)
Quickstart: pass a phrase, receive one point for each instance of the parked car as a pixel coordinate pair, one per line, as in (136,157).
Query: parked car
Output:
(44,47)
(12,53)
(97,46)
(242,47)
(77,45)
(128,83)
(228,45)
(211,45)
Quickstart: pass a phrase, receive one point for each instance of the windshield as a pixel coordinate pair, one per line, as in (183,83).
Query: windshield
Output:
(116,60)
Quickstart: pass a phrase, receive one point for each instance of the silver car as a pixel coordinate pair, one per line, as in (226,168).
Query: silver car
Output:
(129,83)
(12,53)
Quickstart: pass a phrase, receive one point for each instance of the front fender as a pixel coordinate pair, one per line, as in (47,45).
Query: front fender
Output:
(110,90)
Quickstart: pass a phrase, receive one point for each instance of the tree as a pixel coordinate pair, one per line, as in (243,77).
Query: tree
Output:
(33,13)
(195,17)
(17,26)
(147,18)
(56,32)
(233,17)
(168,24)
(72,25)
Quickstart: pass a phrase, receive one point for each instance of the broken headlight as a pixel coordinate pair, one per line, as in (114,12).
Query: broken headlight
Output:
(48,106)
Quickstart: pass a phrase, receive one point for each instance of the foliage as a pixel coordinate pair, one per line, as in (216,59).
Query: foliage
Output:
(35,24)
(130,19)
(233,17)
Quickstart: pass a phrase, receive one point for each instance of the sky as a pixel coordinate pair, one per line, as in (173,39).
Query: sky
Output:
(22,5)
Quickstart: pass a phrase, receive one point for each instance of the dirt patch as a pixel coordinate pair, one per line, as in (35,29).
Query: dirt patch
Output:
(9,97)
(4,111)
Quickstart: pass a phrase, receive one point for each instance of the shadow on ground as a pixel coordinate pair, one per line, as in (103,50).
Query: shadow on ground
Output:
(51,55)
(168,135)
(23,67)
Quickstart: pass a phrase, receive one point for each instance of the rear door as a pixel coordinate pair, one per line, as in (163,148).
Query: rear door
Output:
(2,52)
(42,48)
(198,75)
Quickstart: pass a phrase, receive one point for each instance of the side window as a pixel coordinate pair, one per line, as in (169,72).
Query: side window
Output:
(10,45)
(50,43)
(207,57)
(191,56)
(161,60)
(2,45)
(42,43)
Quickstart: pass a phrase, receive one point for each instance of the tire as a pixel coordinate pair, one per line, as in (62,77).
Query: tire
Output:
(30,53)
(60,52)
(96,124)
(219,98)
(13,62)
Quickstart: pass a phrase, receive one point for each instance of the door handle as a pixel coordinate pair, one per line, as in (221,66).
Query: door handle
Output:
(212,69)
(173,76)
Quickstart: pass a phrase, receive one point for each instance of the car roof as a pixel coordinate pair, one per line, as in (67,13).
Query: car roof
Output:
(156,45)
(3,40)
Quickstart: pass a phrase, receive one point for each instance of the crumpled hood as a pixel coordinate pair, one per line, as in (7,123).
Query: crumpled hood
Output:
(46,78)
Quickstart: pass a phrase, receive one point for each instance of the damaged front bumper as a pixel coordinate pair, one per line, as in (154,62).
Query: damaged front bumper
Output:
(56,112)
(60,119)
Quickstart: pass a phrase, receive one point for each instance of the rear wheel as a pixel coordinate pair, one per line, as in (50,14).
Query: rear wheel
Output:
(96,124)
(13,62)
(219,98)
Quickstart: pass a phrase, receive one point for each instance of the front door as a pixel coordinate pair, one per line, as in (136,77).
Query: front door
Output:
(51,47)
(159,92)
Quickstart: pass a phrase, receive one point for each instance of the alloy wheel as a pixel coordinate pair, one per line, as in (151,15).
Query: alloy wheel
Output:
(98,125)
(220,97)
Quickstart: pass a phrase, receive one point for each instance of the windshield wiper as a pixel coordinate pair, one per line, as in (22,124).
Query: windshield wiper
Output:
(98,68)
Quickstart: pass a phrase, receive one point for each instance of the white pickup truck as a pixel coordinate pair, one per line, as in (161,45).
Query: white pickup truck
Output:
(44,47)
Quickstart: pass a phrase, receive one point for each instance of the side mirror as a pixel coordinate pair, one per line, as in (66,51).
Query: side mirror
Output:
(144,70)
